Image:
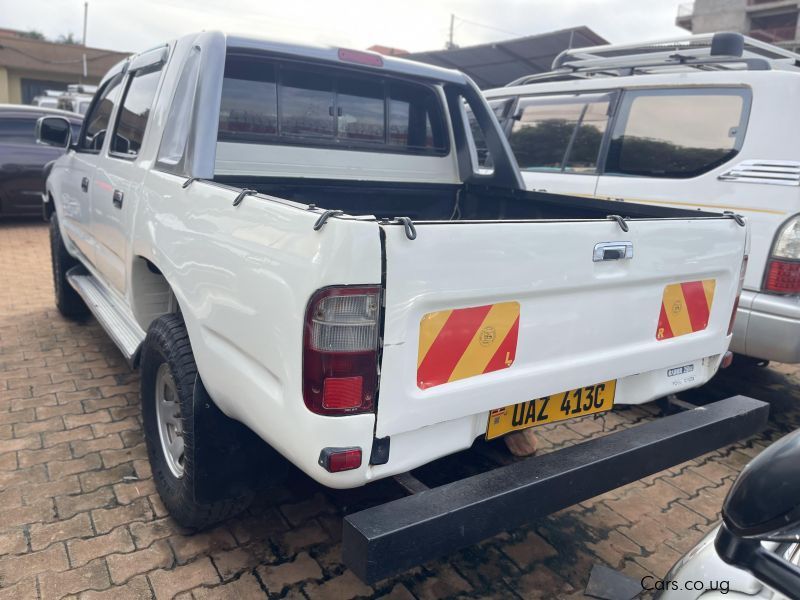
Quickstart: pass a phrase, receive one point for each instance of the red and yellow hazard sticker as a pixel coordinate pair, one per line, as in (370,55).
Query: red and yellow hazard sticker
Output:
(464,342)
(685,308)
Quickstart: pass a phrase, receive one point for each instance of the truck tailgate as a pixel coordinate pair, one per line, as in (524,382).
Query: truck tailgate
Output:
(482,315)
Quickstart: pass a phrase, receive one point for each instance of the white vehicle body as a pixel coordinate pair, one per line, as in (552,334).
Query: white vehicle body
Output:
(702,574)
(154,241)
(758,178)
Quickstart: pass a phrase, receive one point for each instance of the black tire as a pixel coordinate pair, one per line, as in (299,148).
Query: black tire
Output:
(68,302)
(167,342)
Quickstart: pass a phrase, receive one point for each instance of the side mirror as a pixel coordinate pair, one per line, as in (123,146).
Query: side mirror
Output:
(53,131)
(764,501)
(764,505)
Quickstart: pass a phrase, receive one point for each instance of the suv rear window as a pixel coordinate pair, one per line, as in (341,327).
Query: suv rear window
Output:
(269,102)
(677,133)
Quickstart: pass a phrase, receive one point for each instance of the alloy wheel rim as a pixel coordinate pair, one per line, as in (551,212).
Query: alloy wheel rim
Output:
(170,425)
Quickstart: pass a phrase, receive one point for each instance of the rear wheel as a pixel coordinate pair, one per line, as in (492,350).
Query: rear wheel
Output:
(168,377)
(68,302)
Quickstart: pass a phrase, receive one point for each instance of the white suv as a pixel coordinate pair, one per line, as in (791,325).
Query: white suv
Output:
(707,122)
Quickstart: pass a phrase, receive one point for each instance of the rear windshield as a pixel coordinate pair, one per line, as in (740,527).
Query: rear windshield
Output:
(270,102)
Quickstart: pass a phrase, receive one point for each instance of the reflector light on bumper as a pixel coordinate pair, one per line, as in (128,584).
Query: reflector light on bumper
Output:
(335,460)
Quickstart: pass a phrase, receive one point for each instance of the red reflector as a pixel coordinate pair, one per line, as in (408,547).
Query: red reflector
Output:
(342,392)
(360,58)
(335,460)
(727,359)
(783,277)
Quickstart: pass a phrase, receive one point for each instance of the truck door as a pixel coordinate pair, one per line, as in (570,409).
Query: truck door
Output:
(120,175)
(75,195)
(557,140)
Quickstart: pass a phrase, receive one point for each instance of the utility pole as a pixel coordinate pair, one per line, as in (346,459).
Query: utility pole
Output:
(85,19)
(450,45)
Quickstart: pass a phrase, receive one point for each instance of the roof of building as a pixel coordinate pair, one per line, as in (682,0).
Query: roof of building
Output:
(26,54)
(496,64)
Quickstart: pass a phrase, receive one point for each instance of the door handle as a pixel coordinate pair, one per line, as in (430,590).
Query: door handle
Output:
(117,198)
(85,184)
(612,251)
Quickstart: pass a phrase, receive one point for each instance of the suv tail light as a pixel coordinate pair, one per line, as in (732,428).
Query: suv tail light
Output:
(783,267)
(340,350)
(742,272)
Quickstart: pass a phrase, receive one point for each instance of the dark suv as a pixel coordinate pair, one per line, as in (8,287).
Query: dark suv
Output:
(22,159)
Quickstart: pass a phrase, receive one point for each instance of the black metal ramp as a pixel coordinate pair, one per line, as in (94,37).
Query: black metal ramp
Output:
(395,536)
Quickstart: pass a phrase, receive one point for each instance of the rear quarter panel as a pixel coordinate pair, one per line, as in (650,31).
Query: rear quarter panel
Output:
(242,277)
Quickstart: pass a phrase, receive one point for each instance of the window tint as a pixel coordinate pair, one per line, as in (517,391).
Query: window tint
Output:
(560,133)
(306,103)
(360,110)
(415,121)
(249,107)
(677,133)
(17,131)
(97,122)
(135,112)
(583,154)
(265,101)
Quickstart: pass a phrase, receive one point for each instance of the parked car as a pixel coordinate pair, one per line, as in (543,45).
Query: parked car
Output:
(297,247)
(754,553)
(22,158)
(705,122)
(77,98)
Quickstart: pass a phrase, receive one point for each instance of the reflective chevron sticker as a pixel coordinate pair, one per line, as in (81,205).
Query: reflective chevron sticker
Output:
(465,342)
(685,308)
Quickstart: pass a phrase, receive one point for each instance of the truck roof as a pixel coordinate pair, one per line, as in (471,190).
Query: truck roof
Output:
(337,55)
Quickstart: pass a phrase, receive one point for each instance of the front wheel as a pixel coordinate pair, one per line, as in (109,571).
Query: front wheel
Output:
(168,376)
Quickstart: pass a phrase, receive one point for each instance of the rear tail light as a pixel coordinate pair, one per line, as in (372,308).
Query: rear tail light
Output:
(742,272)
(783,268)
(340,350)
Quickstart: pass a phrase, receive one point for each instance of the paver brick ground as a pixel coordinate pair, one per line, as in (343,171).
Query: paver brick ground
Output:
(79,515)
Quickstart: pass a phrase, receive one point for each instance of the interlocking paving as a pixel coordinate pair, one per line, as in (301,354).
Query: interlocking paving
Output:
(79,515)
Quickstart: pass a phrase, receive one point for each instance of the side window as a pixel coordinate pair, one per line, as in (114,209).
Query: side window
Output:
(264,102)
(560,133)
(97,121)
(17,131)
(134,113)
(677,133)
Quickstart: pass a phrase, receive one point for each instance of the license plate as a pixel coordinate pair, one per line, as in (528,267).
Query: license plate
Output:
(588,400)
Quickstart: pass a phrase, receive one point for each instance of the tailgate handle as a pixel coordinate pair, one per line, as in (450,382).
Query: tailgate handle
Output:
(612,251)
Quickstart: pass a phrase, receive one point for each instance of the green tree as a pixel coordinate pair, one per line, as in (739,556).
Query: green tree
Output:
(68,39)
(32,34)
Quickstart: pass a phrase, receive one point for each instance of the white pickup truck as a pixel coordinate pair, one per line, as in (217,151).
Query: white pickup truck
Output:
(301,240)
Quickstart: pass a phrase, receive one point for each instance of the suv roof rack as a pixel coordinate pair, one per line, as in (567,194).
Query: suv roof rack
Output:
(708,52)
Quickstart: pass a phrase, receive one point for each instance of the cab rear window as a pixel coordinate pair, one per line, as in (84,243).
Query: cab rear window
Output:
(269,102)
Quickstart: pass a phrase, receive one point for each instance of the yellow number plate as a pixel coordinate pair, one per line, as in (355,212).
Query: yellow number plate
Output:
(587,400)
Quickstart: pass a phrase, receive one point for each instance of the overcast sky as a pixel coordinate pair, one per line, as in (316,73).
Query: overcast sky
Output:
(415,25)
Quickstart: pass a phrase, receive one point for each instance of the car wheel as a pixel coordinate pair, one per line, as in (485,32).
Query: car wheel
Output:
(69,303)
(168,377)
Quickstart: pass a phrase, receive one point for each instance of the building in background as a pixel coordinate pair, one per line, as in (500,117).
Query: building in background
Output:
(29,67)
(773,21)
(498,63)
